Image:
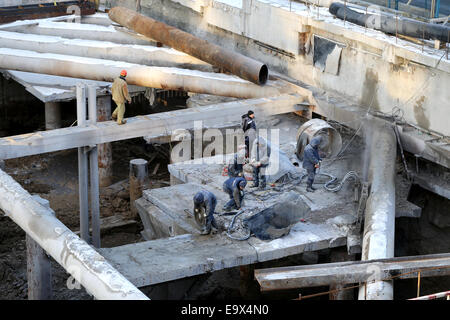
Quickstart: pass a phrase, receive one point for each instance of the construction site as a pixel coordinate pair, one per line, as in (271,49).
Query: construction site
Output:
(225,150)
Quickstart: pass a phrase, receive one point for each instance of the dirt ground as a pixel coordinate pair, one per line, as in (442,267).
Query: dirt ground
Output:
(54,177)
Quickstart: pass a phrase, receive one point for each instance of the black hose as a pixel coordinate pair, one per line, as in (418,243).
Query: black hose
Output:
(392,25)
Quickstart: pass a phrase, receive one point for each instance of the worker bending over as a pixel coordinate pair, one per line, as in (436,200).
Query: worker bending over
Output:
(260,161)
(236,165)
(120,93)
(235,188)
(207,201)
(311,161)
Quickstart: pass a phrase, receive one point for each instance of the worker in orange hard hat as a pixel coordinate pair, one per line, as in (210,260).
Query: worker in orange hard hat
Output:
(120,93)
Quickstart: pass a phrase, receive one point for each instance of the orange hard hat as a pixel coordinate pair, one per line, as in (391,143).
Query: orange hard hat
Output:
(123,73)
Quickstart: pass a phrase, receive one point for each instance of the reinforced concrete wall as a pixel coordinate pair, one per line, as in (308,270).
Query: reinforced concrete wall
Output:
(365,66)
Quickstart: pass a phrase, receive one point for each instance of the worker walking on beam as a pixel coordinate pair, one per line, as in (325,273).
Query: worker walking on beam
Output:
(311,161)
(235,188)
(120,93)
(205,202)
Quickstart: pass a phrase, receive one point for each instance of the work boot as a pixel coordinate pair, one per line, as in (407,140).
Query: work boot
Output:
(214,224)
(263,183)
(123,122)
(114,117)
(206,229)
(309,189)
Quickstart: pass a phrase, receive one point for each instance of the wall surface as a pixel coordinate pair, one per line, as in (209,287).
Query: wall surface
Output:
(8,3)
(367,67)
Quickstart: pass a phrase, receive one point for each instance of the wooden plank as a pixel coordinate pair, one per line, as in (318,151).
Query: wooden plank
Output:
(352,272)
(153,125)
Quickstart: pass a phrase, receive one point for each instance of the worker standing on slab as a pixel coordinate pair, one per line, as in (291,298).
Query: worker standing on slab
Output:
(235,188)
(311,161)
(205,202)
(260,161)
(249,127)
(120,93)
(236,165)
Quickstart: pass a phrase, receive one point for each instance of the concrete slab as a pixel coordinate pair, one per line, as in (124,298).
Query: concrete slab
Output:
(156,261)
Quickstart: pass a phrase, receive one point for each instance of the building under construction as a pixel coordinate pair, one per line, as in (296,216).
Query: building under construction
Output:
(90,209)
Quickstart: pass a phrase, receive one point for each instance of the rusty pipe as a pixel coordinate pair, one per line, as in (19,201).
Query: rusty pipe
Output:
(233,62)
(153,77)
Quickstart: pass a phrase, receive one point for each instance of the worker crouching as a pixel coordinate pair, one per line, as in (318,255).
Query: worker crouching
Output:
(205,200)
(311,161)
(235,188)
(120,93)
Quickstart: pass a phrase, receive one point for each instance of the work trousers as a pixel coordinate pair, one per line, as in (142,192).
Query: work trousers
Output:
(119,112)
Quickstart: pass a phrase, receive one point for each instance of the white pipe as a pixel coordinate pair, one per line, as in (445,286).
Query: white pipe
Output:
(145,55)
(153,77)
(79,259)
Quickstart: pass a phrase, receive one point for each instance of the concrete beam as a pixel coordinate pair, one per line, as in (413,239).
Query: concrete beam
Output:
(79,259)
(154,125)
(352,272)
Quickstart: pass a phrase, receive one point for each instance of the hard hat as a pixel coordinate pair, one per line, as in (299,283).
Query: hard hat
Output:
(243,183)
(123,73)
(198,198)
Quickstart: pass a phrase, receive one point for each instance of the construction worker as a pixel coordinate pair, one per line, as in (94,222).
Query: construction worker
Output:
(207,201)
(259,161)
(120,93)
(234,186)
(311,161)
(236,165)
(249,128)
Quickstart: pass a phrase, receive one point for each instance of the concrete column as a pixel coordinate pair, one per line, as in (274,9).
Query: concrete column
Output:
(341,255)
(138,182)
(52,115)
(93,165)
(379,221)
(39,269)
(39,272)
(83,182)
(105,170)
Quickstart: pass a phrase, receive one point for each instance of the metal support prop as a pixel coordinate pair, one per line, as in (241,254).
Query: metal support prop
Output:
(83,188)
(93,164)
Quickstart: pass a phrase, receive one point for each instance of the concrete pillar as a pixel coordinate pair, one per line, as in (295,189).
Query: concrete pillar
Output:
(138,182)
(83,182)
(39,272)
(341,255)
(105,170)
(39,269)
(52,115)
(93,165)
(379,222)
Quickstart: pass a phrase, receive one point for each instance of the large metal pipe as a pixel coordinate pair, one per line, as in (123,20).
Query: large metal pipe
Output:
(233,62)
(146,55)
(379,224)
(153,77)
(392,25)
(79,259)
